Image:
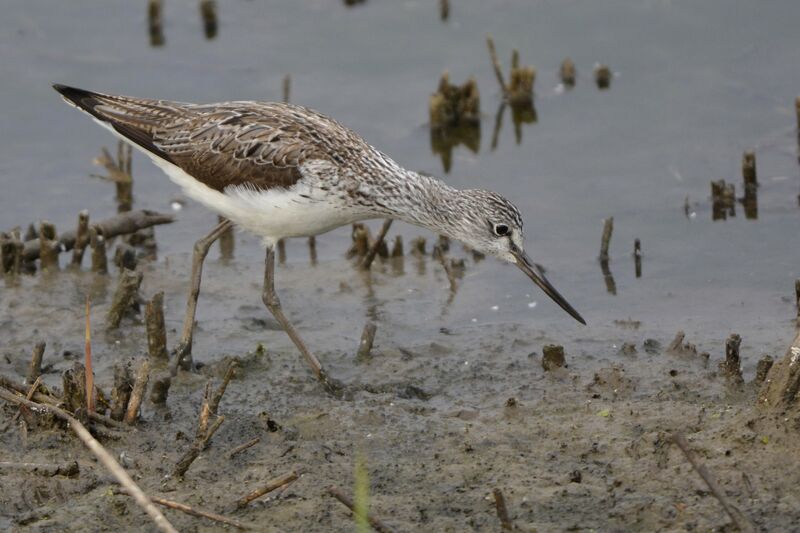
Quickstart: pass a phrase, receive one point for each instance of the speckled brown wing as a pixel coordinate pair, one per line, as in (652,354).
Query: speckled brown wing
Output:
(260,145)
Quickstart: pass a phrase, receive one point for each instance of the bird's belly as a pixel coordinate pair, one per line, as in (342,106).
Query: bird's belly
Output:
(273,214)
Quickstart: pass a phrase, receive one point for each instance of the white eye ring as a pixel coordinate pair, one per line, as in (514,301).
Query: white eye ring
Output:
(502,230)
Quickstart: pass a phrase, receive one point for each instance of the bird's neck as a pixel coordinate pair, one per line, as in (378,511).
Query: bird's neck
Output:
(424,201)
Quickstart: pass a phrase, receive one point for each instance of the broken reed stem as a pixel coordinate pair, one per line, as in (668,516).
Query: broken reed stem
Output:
(88,362)
(213,404)
(502,511)
(170,504)
(124,298)
(741,521)
(608,228)
(567,72)
(122,224)
(373,249)
(48,246)
(102,455)
(137,393)
(374,521)
(732,364)
(28,396)
(637,257)
(268,487)
(156,329)
(154,23)
(242,447)
(498,70)
(367,339)
(81,238)
(35,367)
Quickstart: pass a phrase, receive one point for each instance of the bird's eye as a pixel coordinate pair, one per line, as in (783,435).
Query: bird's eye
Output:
(501,230)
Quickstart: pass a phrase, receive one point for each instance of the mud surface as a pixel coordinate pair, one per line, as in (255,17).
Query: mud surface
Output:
(454,402)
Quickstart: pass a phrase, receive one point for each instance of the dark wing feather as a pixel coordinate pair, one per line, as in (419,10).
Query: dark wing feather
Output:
(259,145)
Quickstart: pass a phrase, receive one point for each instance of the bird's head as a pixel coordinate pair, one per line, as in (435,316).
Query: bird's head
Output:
(492,225)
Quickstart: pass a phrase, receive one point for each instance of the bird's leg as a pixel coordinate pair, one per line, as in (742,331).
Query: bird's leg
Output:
(183,353)
(273,303)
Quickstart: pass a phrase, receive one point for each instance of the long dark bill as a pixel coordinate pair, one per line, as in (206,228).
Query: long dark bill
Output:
(533,272)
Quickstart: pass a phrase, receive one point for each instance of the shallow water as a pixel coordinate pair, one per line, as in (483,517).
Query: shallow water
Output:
(694,86)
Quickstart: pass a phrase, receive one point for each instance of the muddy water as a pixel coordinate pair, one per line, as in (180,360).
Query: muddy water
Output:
(694,87)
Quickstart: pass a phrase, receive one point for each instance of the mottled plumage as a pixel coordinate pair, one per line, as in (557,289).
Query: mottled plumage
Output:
(282,170)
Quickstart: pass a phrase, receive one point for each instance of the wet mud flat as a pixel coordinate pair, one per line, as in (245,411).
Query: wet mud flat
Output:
(439,417)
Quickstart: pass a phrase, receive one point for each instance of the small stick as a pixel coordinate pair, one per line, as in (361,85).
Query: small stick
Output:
(170,504)
(156,330)
(70,469)
(121,393)
(28,396)
(154,22)
(208,11)
(48,246)
(102,455)
(268,487)
(81,238)
(608,228)
(498,71)
(242,447)
(637,257)
(367,339)
(567,72)
(732,364)
(99,257)
(749,170)
(741,521)
(287,85)
(502,511)
(35,367)
(373,250)
(197,447)
(137,394)
(374,521)
(124,298)
(88,363)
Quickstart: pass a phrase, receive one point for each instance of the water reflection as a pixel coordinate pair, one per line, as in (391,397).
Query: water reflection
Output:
(155,24)
(611,285)
(208,11)
(445,138)
(521,113)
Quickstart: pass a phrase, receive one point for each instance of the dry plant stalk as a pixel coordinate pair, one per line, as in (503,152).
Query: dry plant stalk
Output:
(105,458)
(367,339)
(156,329)
(268,487)
(81,238)
(374,521)
(502,511)
(48,246)
(170,504)
(242,447)
(35,367)
(137,393)
(125,297)
(741,521)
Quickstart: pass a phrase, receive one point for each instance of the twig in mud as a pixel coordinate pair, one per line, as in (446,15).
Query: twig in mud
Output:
(374,521)
(732,366)
(213,403)
(35,367)
(242,447)
(81,238)
(88,361)
(373,249)
(170,504)
(741,521)
(156,329)
(137,393)
(268,487)
(121,393)
(102,455)
(122,224)
(124,297)
(367,339)
(70,469)
(502,511)
(196,448)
